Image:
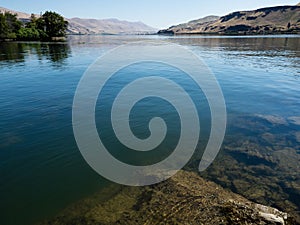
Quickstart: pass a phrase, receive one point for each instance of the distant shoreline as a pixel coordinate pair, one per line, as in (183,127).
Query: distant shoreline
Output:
(228,34)
(200,35)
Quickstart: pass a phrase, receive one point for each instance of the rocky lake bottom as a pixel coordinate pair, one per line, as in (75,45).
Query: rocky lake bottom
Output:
(252,166)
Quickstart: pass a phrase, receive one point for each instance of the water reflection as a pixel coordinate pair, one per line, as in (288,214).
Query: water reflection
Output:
(11,52)
(250,43)
(266,51)
(42,170)
(18,52)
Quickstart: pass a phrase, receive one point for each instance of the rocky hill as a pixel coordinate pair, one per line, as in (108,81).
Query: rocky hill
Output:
(189,25)
(94,26)
(271,20)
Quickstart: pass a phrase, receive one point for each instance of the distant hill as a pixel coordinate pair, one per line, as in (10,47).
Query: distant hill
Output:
(24,17)
(107,26)
(94,26)
(271,20)
(190,25)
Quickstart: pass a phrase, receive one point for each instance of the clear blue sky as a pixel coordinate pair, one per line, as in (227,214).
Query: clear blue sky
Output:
(156,13)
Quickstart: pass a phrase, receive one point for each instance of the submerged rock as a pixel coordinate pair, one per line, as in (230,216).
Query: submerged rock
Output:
(271,214)
(186,198)
(294,120)
(260,160)
(273,119)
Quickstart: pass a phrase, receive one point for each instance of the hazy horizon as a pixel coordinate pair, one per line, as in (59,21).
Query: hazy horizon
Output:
(157,14)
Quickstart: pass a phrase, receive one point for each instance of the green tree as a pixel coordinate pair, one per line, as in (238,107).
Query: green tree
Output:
(32,23)
(28,34)
(52,24)
(49,25)
(13,23)
(3,26)
(9,25)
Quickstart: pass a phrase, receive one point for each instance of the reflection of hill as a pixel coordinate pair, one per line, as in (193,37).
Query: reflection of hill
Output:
(237,50)
(17,52)
(262,44)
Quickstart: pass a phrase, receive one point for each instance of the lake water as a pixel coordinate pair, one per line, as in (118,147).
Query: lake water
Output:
(42,170)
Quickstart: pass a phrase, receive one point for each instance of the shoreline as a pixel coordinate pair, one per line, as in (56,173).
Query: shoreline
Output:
(184,198)
(226,34)
(66,39)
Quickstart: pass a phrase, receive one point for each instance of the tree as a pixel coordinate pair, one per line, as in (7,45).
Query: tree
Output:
(28,34)
(49,25)
(32,23)
(9,25)
(13,23)
(3,26)
(52,24)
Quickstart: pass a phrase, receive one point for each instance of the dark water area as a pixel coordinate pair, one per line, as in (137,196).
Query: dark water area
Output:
(42,170)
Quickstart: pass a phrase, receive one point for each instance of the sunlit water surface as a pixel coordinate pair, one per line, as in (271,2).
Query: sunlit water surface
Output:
(42,170)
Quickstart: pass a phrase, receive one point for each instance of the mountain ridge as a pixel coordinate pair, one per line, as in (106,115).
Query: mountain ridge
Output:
(111,26)
(268,20)
(94,26)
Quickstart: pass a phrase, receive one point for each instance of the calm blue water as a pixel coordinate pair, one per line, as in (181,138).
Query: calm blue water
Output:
(41,168)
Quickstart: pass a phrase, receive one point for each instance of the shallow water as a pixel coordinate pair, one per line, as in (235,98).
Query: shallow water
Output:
(42,170)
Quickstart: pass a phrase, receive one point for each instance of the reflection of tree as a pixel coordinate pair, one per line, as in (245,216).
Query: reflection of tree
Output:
(13,52)
(57,52)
